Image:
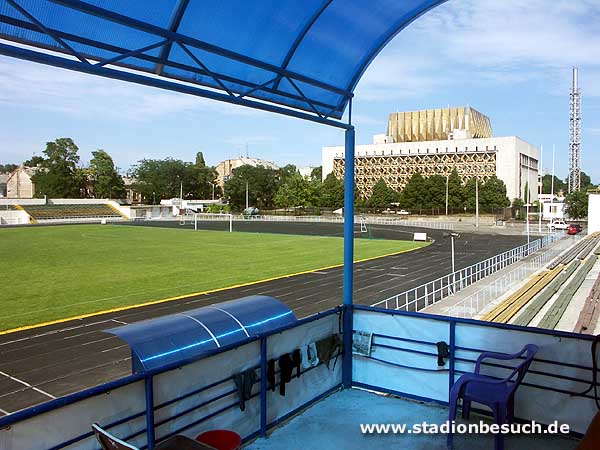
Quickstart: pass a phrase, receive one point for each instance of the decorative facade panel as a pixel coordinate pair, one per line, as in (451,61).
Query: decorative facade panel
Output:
(396,170)
(438,124)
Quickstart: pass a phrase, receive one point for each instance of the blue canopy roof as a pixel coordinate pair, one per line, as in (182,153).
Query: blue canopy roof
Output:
(177,337)
(307,55)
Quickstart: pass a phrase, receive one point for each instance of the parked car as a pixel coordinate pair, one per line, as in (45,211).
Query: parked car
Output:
(403,212)
(558,224)
(251,211)
(574,228)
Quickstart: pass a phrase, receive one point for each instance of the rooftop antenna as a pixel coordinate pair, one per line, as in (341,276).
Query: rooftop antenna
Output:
(575,135)
(246,149)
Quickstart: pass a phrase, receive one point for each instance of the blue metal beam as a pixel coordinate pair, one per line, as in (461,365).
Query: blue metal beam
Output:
(153,29)
(44,58)
(173,26)
(150,435)
(47,32)
(300,37)
(348,256)
(119,50)
(137,52)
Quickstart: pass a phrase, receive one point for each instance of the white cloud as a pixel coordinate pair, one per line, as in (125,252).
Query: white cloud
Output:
(72,93)
(488,42)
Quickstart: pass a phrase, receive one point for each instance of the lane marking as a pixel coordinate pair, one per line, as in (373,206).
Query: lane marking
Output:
(119,321)
(3,411)
(193,294)
(24,383)
(49,333)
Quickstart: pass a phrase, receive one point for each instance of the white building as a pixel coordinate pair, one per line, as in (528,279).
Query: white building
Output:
(306,171)
(510,158)
(553,207)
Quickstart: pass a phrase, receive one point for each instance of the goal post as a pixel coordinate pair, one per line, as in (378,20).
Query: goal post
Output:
(214,217)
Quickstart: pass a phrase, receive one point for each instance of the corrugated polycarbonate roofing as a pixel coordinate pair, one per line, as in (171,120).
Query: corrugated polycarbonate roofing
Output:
(302,54)
(178,337)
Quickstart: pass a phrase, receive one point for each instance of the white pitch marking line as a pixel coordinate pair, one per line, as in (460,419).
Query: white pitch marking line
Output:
(48,333)
(24,383)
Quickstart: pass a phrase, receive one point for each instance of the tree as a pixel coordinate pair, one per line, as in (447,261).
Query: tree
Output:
(106,181)
(382,195)
(435,190)
(297,191)
(200,160)
(586,182)
(59,176)
(8,168)
(317,173)
(414,194)
(34,161)
(164,178)
(517,207)
(469,192)
(576,205)
(263,183)
(332,192)
(492,194)
(455,190)
(559,185)
(287,171)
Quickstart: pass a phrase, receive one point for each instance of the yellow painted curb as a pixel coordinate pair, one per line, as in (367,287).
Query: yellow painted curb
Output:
(194,294)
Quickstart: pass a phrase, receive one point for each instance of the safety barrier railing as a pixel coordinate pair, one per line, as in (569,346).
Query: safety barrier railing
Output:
(434,291)
(471,306)
(371,220)
(186,397)
(403,358)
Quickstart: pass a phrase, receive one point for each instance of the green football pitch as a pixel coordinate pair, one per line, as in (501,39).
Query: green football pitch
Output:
(50,273)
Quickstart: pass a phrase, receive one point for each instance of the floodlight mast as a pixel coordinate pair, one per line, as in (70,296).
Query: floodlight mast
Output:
(575,134)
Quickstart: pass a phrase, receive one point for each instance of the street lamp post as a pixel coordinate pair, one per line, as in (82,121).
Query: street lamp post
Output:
(213,189)
(476,202)
(452,235)
(247,195)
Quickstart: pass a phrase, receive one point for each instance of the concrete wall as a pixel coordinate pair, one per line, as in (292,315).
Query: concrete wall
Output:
(593,213)
(13,217)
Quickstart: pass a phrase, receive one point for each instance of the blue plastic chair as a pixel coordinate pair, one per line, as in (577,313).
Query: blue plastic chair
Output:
(498,394)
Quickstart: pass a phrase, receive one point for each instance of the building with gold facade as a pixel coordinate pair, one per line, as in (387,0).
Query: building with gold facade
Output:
(435,142)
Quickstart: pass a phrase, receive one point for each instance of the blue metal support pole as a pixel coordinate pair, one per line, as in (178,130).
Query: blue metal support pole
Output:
(348,257)
(452,350)
(151,438)
(263,386)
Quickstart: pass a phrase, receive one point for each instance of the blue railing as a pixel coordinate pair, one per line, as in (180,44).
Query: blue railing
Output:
(403,362)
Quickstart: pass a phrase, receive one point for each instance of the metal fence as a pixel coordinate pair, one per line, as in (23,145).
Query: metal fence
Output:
(472,305)
(371,220)
(432,292)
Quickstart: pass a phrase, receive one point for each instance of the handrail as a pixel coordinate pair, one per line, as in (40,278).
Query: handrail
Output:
(434,291)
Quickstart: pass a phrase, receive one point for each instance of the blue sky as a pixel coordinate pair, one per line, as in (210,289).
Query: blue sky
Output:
(509,59)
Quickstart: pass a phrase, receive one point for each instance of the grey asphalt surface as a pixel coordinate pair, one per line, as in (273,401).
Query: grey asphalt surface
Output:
(49,362)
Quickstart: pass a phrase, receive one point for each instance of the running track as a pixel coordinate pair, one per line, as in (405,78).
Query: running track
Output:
(44,363)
